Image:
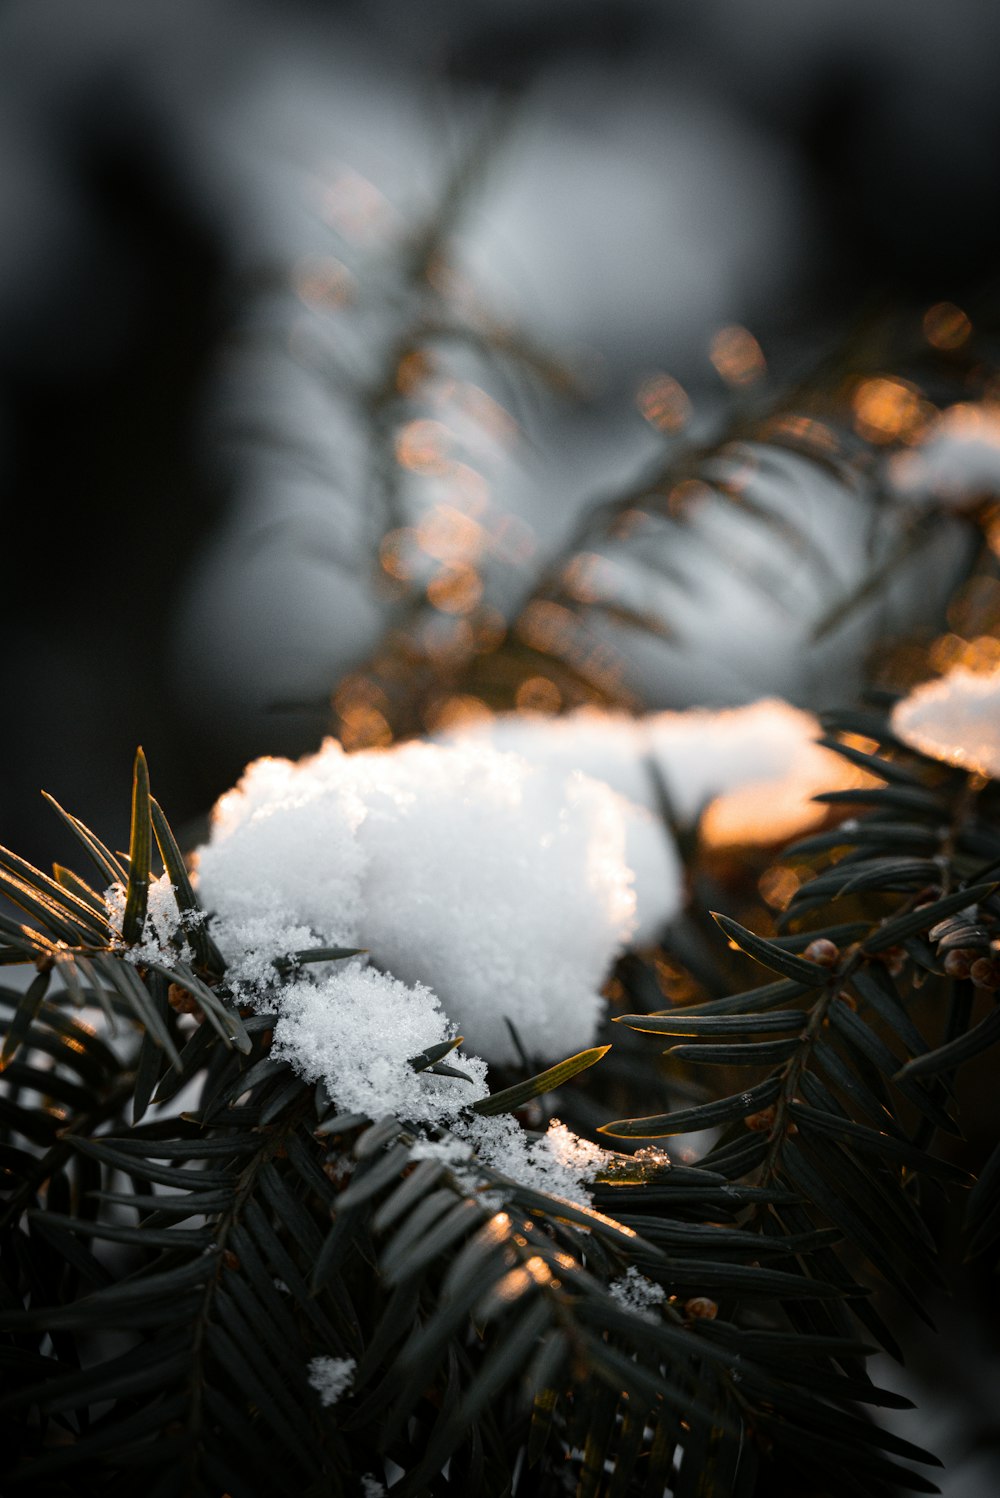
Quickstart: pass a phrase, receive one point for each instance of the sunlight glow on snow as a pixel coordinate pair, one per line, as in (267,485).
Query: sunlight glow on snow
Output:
(955,719)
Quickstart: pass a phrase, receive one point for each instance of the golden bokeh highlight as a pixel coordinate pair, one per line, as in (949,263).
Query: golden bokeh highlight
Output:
(423,446)
(664,403)
(889,410)
(778,885)
(946,327)
(737,356)
(456,589)
(461,710)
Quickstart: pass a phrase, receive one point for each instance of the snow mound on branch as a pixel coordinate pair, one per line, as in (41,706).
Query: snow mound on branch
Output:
(955,719)
(503,887)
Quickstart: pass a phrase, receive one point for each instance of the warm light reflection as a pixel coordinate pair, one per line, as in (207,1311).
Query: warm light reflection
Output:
(889,410)
(396,552)
(413,370)
(980,654)
(458,711)
(955,719)
(533,1273)
(778,885)
(737,355)
(663,402)
(547,626)
(687,496)
(456,590)
(450,535)
(587,577)
(774,808)
(805,430)
(946,326)
(423,446)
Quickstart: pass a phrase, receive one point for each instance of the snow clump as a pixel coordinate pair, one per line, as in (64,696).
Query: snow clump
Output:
(637,1293)
(955,719)
(331,1378)
(502,887)
(357,1029)
(958,462)
(163,939)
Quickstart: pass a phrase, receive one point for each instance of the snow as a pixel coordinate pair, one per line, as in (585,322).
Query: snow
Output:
(503,887)
(955,719)
(748,771)
(957,464)
(331,1377)
(637,1293)
(162,938)
(487,889)
(557,1162)
(357,1030)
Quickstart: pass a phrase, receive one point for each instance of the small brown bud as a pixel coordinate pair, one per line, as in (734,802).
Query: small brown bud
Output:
(844,997)
(700,1308)
(229,1259)
(762,1122)
(822,951)
(183,1002)
(894,959)
(985,972)
(958,962)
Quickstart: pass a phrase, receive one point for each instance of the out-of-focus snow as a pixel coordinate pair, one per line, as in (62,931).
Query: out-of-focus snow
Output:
(955,719)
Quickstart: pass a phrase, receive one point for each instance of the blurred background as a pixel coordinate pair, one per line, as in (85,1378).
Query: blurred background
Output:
(368,366)
(595,227)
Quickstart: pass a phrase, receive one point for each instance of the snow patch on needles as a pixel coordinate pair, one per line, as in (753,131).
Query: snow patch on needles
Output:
(357,1030)
(162,937)
(331,1378)
(955,719)
(637,1293)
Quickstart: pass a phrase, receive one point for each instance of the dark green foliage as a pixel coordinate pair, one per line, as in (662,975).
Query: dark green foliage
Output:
(168,1276)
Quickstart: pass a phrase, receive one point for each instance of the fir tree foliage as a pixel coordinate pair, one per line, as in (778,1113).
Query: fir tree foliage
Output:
(215,1282)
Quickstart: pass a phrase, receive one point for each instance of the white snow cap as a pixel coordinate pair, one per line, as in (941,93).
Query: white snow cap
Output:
(955,719)
(501,886)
